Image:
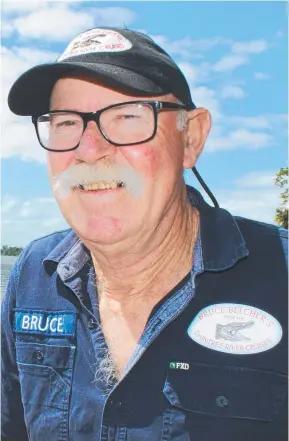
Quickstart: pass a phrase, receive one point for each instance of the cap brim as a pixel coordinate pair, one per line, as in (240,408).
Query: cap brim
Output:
(30,94)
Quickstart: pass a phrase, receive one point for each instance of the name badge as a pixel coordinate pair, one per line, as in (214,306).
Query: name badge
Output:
(235,329)
(47,323)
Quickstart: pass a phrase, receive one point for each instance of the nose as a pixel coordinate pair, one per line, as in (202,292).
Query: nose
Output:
(93,146)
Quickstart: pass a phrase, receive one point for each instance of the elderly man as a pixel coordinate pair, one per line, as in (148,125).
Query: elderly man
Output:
(156,316)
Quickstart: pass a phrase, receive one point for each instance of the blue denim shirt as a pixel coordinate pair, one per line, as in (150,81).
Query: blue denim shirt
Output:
(172,388)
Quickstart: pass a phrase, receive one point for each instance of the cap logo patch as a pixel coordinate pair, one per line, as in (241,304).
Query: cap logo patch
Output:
(96,40)
(235,329)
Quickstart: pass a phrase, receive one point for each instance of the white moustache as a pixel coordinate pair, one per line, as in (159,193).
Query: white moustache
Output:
(83,174)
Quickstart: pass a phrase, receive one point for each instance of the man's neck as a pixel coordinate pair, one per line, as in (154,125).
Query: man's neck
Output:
(154,266)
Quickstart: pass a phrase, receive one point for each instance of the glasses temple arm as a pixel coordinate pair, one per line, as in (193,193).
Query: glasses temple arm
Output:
(205,187)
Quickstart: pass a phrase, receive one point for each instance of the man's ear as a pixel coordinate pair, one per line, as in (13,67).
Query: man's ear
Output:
(195,135)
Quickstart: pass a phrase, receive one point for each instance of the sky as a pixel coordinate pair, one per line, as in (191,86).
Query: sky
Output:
(234,56)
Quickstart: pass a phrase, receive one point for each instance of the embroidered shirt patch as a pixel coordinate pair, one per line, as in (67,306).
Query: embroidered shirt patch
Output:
(235,329)
(47,323)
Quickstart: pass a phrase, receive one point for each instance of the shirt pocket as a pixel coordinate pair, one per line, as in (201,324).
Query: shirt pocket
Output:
(225,392)
(45,373)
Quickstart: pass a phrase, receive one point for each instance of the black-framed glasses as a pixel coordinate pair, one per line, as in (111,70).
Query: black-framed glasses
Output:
(123,124)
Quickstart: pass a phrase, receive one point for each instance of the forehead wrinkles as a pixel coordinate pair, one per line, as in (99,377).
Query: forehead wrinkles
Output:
(74,93)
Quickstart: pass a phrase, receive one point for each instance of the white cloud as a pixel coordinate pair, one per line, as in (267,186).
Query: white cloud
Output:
(255,180)
(19,139)
(205,44)
(52,223)
(19,7)
(112,16)
(240,138)
(26,210)
(256,196)
(253,122)
(187,47)
(276,123)
(7,204)
(280,123)
(230,62)
(16,60)
(18,136)
(195,74)
(25,221)
(59,21)
(206,97)
(239,56)
(262,76)
(190,71)
(258,204)
(6,29)
(250,47)
(247,132)
(253,196)
(235,92)
(202,96)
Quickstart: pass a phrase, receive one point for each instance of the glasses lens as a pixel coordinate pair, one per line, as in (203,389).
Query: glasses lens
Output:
(128,123)
(60,131)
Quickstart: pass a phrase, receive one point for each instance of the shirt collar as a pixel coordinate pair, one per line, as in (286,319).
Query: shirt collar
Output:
(222,243)
(69,256)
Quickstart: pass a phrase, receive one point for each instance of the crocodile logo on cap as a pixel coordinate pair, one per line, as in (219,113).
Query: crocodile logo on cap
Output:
(95,41)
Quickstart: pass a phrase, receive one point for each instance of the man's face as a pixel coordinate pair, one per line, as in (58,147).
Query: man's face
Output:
(109,216)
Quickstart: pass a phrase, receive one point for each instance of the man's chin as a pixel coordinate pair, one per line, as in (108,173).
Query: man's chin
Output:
(104,230)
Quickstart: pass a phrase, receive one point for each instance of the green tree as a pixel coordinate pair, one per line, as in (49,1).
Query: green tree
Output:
(281,180)
(10,251)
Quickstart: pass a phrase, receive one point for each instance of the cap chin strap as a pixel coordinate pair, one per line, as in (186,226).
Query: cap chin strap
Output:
(205,187)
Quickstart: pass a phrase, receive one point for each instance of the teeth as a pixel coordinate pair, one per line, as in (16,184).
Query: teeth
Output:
(101,185)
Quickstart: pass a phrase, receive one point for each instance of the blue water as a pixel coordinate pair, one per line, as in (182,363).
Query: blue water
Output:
(6,265)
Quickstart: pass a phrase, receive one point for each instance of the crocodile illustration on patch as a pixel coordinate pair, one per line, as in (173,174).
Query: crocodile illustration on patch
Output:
(231,331)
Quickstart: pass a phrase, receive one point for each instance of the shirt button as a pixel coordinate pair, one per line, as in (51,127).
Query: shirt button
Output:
(222,401)
(115,403)
(91,324)
(118,404)
(39,356)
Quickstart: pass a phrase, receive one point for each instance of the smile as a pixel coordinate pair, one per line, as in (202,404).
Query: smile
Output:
(101,185)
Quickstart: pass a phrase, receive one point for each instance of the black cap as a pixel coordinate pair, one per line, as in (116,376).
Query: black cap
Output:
(128,61)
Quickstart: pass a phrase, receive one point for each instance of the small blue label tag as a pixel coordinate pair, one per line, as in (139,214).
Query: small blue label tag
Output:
(52,323)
